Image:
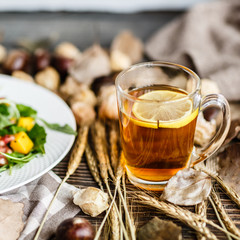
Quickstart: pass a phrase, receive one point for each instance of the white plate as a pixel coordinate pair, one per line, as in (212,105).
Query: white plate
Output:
(49,107)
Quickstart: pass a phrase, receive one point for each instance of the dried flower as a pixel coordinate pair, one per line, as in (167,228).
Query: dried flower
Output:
(204,130)
(67,50)
(126,49)
(108,103)
(83,112)
(188,187)
(94,63)
(209,87)
(92,201)
(70,87)
(3,53)
(85,94)
(48,78)
(22,75)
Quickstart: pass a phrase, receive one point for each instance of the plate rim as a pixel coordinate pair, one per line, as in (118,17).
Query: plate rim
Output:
(64,153)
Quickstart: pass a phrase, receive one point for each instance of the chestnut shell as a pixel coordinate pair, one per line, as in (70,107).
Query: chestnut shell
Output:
(75,229)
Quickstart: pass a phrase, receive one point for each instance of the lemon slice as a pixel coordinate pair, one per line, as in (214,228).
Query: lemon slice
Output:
(157,114)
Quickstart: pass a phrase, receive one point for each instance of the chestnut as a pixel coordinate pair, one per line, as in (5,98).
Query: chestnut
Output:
(103,81)
(62,64)
(16,60)
(75,229)
(41,59)
(210,113)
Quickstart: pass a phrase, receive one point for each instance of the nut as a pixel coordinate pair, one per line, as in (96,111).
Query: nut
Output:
(22,75)
(42,59)
(48,78)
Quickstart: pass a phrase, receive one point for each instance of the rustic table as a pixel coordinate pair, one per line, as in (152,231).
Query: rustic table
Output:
(84,29)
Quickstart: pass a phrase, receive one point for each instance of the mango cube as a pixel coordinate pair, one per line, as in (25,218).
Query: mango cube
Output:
(22,143)
(26,122)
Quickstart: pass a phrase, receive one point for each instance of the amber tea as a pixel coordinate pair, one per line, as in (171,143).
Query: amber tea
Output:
(158,105)
(157,139)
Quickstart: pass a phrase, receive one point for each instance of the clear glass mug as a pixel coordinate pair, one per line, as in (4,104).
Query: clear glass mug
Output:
(158,105)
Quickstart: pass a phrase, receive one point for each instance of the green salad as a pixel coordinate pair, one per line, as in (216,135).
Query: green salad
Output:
(22,134)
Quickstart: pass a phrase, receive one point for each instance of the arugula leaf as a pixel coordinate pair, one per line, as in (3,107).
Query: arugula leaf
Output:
(26,111)
(16,159)
(55,126)
(4,109)
(4,168)
(12,129)
(38,136)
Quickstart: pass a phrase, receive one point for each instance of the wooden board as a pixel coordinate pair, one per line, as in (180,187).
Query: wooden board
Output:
(82,178)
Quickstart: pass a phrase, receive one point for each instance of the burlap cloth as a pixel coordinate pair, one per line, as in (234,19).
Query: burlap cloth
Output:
(207,40)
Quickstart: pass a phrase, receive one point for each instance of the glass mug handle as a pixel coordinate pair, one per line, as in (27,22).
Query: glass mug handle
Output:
(200,154)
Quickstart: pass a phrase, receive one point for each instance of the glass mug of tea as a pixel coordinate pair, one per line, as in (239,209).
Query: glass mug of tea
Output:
(158,105)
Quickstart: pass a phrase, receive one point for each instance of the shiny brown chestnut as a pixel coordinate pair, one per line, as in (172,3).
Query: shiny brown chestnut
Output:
(75,229)
(62,64)
(41,58)
(16,60)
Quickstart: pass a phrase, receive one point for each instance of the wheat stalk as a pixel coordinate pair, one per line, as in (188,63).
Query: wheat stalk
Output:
(219,218)
(92,164)
(101,149)
(115,228)
(228,190)
(119,173)
(98,135)
(224,216)
(113,139)
(201,209)
(75,159)
(191,219)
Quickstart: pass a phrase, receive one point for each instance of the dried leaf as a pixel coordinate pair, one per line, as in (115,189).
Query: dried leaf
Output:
(188,187)
(158,229)
(229,166)
(10,219)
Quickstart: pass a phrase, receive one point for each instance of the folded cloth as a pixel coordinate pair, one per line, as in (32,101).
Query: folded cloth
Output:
(207,40)
(36,197)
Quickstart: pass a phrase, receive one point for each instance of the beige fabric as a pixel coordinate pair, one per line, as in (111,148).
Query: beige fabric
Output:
(36,197)
(206,39)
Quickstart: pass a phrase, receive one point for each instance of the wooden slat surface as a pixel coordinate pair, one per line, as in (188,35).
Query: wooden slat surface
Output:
(82,178)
